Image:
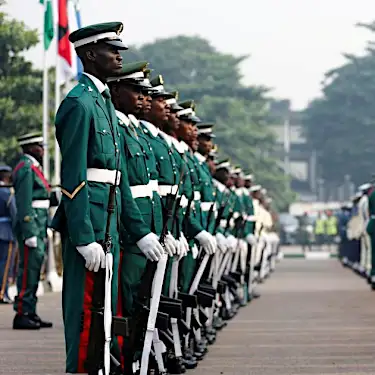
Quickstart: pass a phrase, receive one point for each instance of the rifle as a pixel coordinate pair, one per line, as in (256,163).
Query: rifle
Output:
(98,353)
(144,294)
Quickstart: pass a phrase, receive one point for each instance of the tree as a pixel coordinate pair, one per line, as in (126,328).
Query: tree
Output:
(340,125)
(20,86)
(240,113)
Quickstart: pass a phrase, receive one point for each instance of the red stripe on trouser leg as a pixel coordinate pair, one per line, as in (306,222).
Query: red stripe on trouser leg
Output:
(120,339)
(24,278)
(85,333)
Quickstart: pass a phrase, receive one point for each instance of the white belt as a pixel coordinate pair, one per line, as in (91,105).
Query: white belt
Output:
(184,202)
(105,176)
(142,191)
(250,218)
(197,196)
(206,206)
(154,185)
(164,190)
(40,203)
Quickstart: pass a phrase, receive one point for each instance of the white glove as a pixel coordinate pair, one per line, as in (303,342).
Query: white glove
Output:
(94,256)
(194,251)
(221,242)
(151,247)
(31,242)
(184,243)
(206,240)
(170,244)
(178,247)
(231,242)
(251,239)
(182,250)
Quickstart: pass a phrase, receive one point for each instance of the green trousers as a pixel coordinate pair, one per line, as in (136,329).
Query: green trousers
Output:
(30,264)
(77,295)
(187,272)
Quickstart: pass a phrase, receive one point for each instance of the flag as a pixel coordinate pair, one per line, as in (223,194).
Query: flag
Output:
(64,46)
(49,29)
(79,25)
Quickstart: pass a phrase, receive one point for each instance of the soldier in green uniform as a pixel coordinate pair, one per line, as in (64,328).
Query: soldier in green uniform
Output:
(127,90)
(32,199)
(89,139)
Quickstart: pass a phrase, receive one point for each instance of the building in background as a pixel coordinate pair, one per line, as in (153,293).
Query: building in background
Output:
(299,160)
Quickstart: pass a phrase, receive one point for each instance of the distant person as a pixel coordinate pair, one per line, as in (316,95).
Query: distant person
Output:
(8,214)
(319,230)
(331,229)
(304,232)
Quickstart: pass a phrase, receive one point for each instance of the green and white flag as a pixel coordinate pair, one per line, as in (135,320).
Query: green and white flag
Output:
(49,27)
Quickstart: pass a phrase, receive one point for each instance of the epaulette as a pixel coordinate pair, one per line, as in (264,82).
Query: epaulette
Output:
(78,90)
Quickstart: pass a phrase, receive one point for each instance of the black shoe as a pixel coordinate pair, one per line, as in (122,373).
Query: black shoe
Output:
(190,363)
(175,365)
(42,323)
(5,301)
(211,339)
(255,294)
(24,321)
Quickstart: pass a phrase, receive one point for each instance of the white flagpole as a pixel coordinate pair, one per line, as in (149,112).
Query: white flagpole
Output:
(57,165)
(45,106)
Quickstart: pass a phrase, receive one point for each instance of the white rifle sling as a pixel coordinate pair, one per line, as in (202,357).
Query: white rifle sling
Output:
(154,305)
(108,311)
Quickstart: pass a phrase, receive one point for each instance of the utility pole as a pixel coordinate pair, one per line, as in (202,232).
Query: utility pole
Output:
(287,146)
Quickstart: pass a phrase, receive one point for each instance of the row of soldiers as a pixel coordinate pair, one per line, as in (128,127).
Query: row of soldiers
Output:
(357,231)
(161,242)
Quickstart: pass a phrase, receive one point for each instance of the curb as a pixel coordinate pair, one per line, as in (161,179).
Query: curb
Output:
(313,255)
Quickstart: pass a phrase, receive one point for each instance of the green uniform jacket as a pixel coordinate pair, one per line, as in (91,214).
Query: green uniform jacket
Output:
(208,193)
(30,186)
(196,211)
(168,172)
(83,210)
(250,218)
(140,162)
(188,223)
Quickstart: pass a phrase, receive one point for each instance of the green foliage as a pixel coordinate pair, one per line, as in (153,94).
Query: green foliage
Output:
(240,113)
(20,86)
(340,125)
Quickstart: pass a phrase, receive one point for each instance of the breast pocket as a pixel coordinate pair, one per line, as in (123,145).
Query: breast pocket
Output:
(105,140)
(137,169)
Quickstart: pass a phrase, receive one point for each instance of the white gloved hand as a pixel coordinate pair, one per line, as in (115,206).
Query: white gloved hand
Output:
(206,240)
(182,250)
(194,251)
(178,247)
(251,239)
(170,244)
(231,242)
(221,242)
(31,242)
(151,247)
(184,243)
(94,256)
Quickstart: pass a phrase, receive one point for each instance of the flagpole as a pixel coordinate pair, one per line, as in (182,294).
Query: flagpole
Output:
(46,159)
(57,158)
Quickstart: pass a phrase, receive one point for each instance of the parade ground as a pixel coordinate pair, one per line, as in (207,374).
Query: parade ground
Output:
(314,317)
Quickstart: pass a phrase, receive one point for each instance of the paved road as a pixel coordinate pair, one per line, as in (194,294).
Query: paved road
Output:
(314,317)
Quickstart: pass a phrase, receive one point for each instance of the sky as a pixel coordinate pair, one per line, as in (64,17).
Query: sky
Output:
(291,43)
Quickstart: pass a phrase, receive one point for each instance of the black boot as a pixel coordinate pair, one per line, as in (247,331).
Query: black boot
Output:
(42,323)
(174,364)
(24,321)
